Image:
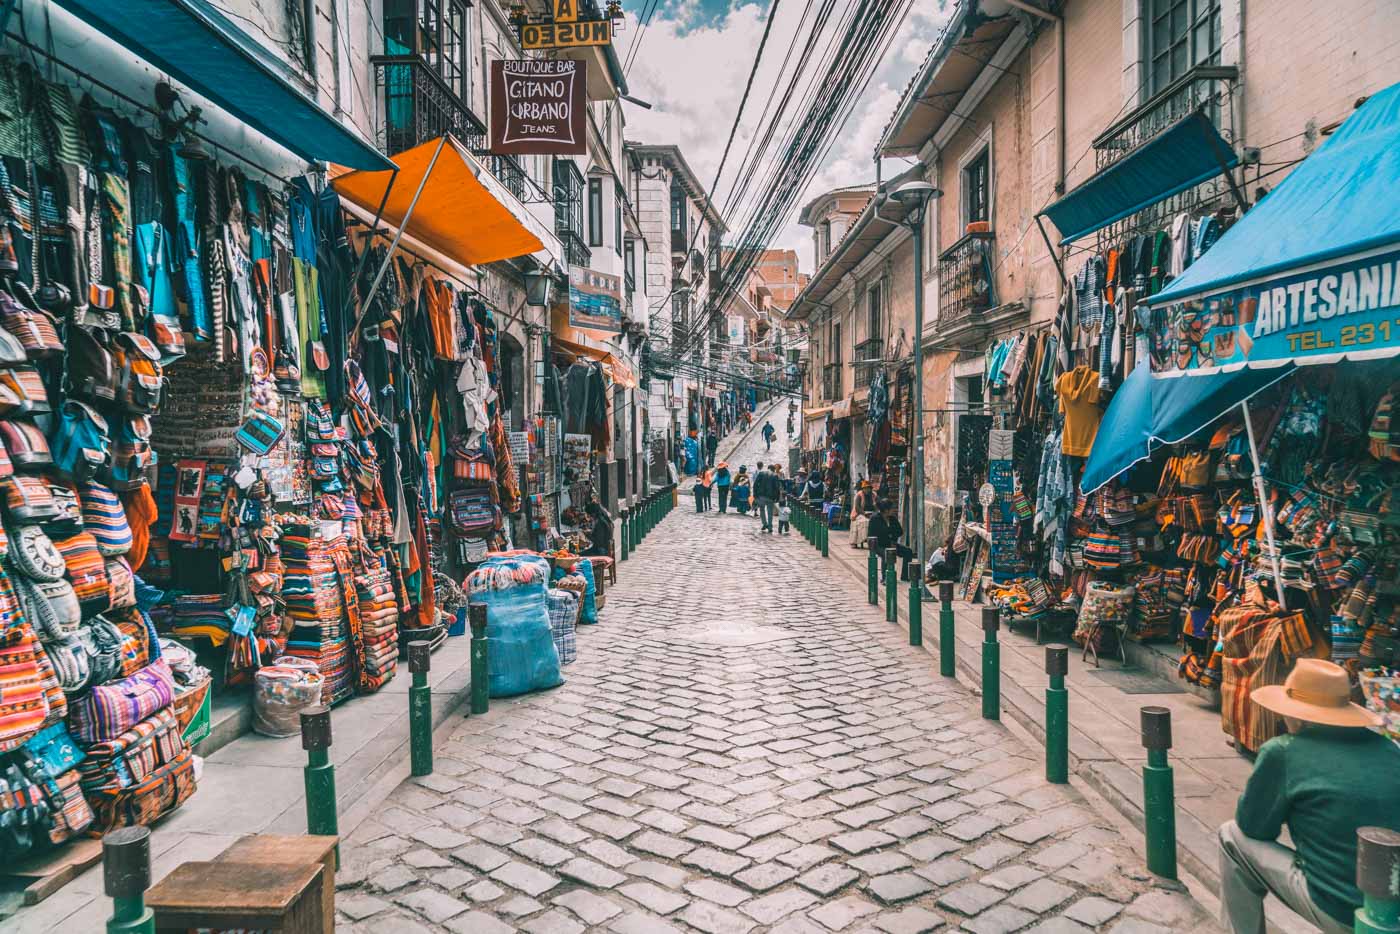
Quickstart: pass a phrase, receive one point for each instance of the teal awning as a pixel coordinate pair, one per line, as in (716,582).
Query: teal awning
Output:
(1184,155)
(199,47)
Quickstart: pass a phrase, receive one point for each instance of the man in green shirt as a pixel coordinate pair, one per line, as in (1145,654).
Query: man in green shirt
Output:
(1327,777)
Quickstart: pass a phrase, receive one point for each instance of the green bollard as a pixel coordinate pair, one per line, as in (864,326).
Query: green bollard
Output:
(824,530)
(891,587)
(126,874)
(1057,715)
(1378,878)
(1158,794)
(319,774)
(916,611)
(420,709)
(991,664)
(872,571)
(636,528)
(481,666)
(625,542)
(947,648)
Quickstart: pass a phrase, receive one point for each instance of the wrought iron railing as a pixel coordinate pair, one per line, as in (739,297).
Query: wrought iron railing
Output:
(419,106)
(965,278)
(1205,87)
(831,382)
(680,240)
(869,355)
(575,250)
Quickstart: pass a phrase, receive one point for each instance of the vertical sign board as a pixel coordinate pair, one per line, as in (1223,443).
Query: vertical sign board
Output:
(595,300)
(539,107)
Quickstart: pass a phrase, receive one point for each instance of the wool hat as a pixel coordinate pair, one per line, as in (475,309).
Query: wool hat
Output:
(1317,691)
(105,519)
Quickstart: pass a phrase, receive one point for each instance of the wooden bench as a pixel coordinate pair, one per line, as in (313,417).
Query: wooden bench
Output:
(262,882)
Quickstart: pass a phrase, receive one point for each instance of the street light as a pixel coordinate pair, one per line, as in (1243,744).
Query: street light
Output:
(915,196)
(539,282)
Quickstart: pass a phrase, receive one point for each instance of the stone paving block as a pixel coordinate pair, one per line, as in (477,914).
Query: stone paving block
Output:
(591,873)
(712,919)
(765,876)
(591,908)
(828,879)
(394,878)
(669,876)
(477,922)
(641,922)
(432,904)
(972,898)
(810,831)
(1012,877)
(654,898)
(946,871)
(615,828)
(659,844)
(896,887)
(716,836)
(484,891)
(859,841)
(525,878)
(773,907)
(911,920)
(999,920)
(880,862)
(1093,911)
(358,905)
(840,914)
(990,854)
(712,890)
(554,921)
(806,856)
(1041,896)
(715,861)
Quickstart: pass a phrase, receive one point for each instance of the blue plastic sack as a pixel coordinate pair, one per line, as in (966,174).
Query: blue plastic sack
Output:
(589,615)
(520,649)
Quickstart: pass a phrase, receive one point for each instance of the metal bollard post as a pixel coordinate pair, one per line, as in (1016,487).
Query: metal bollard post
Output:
(126,875)
(824,531)
(1158,793)
(872,570)
(319,774)
(947,649)
(891,587)
(624,542)
(991,664)
(1378,878)
(420,709)
(916,609)
(481,669)
(1057,715)
(636,528)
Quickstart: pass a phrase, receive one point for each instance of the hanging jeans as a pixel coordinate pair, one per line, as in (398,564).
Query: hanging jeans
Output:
(189,270)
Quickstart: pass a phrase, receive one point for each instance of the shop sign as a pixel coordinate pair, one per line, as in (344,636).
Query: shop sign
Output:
(558,35)
(539,107)
(595,300)
(841,408)
(711,393)
(736,330)
(1348,309)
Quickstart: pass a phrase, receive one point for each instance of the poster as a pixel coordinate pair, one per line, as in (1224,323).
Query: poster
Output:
(539,107)
(595,300)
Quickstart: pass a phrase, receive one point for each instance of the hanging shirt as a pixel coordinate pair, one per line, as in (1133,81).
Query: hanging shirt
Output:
(1181,245)
(1079,401)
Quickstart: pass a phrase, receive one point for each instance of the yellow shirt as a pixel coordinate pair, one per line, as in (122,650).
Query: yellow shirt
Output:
(1079,400)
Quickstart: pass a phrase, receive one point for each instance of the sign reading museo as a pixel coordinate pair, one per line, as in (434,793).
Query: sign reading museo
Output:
(595,300)
(1347,309)
(539,107)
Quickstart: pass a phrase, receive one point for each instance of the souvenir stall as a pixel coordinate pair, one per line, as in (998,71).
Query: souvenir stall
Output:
(245,442)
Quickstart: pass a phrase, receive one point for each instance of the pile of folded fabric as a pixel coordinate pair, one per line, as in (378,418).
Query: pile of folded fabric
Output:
(377,644)
(316,603)
(200,615)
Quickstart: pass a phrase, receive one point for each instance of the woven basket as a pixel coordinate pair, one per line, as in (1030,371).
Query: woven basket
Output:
(187,704)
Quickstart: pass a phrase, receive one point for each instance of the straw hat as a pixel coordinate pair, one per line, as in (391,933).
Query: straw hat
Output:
(1317,691)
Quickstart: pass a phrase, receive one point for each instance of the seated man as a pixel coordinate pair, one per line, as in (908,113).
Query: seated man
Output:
(886,529)
(1325,778)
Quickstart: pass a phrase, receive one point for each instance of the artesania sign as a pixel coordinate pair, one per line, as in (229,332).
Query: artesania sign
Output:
(539,107)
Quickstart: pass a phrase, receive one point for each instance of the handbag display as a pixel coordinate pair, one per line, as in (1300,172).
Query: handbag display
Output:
(34,554)
(29,499)
(82,446)
(109,710)
(92,373)
(139,774)
(472,512)
(68,515)
(260,432)
(140,378)
(132,454)
(27,394)
(121,584)
(54,750)
(36,329)
(26,444)
(105,518)
(86,570)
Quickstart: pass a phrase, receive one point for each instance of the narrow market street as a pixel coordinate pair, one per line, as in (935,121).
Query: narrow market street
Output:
(743,744)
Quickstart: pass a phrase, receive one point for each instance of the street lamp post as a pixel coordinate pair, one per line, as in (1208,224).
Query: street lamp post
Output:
(915,196)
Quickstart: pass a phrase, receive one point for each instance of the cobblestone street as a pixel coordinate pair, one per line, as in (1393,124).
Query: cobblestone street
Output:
(743,745)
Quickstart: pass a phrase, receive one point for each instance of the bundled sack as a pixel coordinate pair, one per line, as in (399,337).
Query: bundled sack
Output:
(281,691)
(588,613)
(140,774)
(109,710)
(522,653)
(563,612)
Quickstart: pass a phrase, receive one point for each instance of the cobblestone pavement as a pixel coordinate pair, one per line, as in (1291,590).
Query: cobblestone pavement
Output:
(743,745)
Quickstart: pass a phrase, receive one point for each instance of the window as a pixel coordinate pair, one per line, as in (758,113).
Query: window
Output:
(834,353)
(568,199)
(617,229)
(976,176)
(1180,35)
(874,327)
(825,240)
(630,260)
(595,212)
(436,31)
(677,210)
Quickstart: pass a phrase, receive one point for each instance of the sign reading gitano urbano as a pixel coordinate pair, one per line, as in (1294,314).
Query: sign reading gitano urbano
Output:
(1346,309)
(539,107)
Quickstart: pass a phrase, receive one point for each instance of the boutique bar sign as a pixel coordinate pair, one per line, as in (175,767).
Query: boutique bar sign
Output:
(539,107)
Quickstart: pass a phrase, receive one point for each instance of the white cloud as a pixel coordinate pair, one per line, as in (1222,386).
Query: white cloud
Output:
(692,67)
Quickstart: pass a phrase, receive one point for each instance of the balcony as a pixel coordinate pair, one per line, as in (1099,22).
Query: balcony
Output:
(575,250)
(680,240)
(870,355)
(831,382)
(1205,86)
(419,106)
(965,278)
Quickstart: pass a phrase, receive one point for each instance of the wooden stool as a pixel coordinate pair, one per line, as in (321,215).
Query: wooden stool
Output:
(269,883)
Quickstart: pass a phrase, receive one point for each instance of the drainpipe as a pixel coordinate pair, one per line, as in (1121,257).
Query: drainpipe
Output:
(1059,98)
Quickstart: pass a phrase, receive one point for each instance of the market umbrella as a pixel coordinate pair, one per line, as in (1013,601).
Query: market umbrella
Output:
(1146,414)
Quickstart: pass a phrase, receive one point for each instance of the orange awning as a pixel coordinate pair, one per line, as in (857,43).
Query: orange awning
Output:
(456,215)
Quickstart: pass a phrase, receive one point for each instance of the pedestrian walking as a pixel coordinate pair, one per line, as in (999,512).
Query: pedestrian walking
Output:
(769,433)
(784,519)
(1324,779)
(741,490)
(711,445)
(723,480)
(703,483)
(766,493)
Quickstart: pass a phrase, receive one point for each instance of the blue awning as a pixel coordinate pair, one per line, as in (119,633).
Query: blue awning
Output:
(1187,153)
(1146,414)
(1339,203)
(198,46)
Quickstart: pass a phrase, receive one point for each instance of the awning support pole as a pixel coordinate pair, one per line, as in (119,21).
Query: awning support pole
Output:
(1054,256)
(1261,494)
(398,234)
(1220,158)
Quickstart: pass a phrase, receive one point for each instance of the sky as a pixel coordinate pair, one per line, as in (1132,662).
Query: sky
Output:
(691,65)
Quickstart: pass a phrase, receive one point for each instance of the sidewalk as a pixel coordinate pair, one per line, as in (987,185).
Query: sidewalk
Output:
(1105,743)
(254,785)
